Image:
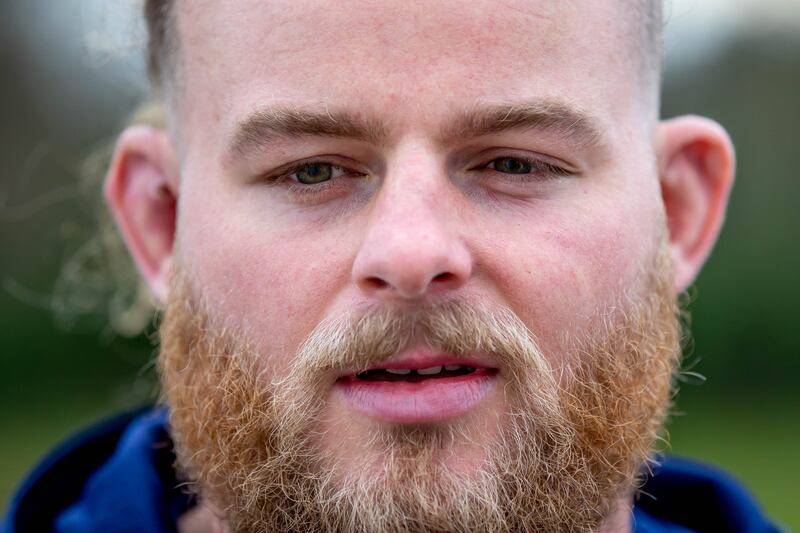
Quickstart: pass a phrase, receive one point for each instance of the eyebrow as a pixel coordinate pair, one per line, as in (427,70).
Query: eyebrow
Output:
(552,116)
(267,125)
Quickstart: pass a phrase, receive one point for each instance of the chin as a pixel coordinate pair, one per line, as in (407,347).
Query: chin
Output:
(358,445)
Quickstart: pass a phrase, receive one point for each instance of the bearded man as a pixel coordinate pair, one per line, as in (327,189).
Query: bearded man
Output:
(419,265)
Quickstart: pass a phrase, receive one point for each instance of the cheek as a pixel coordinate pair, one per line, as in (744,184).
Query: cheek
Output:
(270,281)
(567,265)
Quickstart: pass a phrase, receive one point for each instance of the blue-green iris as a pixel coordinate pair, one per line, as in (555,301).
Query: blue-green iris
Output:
(511,165)
(314,173)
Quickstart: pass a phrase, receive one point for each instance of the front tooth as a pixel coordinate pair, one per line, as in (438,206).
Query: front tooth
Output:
(451,368)
(429,371)
(400,371)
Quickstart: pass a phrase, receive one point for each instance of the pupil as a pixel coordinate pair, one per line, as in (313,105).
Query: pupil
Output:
(513,166)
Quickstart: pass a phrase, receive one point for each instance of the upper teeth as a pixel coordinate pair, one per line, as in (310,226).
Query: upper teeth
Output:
(423,371)
(430,371)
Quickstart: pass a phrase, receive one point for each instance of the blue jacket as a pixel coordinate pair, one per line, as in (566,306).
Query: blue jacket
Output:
(118,477)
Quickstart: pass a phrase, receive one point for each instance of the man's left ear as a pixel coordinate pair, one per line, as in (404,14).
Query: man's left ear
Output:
(696,165)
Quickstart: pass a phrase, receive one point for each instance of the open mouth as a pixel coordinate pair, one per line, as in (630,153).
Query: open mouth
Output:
(413,375)
(415,391)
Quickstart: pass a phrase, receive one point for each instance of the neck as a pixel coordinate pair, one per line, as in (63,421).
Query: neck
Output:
(619,521)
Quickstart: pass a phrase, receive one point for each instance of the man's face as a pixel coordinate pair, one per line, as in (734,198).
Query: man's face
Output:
(390,158)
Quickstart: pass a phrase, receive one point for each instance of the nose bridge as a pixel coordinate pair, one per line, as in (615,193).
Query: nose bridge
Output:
(412,204)
(412,243)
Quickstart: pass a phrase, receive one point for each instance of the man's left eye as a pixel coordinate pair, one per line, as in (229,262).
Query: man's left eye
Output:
(314,173)
(510,165)
(522,166)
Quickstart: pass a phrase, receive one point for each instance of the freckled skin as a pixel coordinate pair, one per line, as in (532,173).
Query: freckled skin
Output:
(554,257)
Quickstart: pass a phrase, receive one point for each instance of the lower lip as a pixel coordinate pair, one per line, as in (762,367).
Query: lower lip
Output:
(426,401)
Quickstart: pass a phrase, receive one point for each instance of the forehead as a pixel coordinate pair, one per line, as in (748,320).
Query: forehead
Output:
(409,62)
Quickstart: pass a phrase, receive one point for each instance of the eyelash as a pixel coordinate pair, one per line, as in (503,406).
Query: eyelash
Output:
(282,178)
(549,170)
(309,192)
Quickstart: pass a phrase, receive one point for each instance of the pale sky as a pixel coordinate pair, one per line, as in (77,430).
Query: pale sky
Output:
(696,27)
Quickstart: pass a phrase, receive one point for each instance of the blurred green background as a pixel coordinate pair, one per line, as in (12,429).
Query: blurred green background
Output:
(71,71)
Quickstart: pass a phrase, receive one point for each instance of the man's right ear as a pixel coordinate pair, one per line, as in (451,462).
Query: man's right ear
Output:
(141,189)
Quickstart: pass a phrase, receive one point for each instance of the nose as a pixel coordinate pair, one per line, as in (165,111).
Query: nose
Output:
(412,246)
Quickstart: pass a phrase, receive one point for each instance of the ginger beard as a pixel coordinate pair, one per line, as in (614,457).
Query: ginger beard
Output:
(576,439)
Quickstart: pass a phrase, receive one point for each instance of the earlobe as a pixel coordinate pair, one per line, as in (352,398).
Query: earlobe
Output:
(141,189)
(696,166)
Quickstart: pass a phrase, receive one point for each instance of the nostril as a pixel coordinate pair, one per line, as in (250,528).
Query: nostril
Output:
(443,277)
(376,283)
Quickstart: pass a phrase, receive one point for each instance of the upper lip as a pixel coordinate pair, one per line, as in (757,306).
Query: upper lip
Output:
(422,357)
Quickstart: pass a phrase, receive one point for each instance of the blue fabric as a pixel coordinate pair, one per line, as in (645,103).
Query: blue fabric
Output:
(134,472)
(114,477)
(698,497)
(645,523)
(118,477)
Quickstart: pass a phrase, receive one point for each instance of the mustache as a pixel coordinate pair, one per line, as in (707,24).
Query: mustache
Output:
(456,327)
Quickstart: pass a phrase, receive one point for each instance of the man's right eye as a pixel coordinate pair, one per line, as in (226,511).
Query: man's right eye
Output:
(313,181)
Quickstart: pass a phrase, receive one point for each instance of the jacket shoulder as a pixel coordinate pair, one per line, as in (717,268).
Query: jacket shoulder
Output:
(700,498)
(58,479)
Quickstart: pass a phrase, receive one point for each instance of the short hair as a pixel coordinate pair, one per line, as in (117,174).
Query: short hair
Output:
(163,43)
